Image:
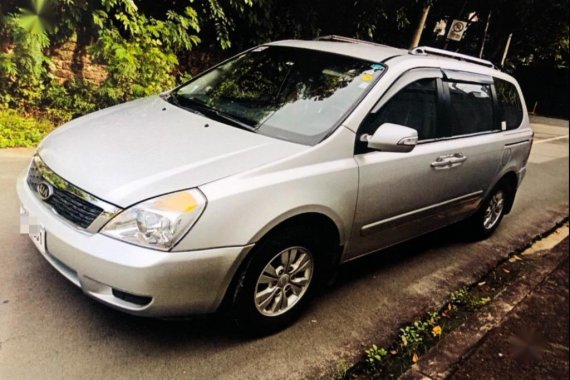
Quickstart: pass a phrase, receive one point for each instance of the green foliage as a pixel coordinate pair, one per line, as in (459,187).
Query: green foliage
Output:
(8,73)
(412,336)
(433,318)
(34,22)
(25,66)
(460,297)
(139,49)
(71,99)
(467,299)
(386,21)
(221,23)
(19,131)
(413,340)
(375,355)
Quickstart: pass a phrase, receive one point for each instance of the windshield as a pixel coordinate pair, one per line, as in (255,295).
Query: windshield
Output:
(293,94)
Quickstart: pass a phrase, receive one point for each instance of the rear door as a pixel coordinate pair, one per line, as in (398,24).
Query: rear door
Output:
(472,132)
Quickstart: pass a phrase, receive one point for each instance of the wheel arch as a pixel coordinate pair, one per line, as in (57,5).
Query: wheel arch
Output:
(312,216)
(321,223)
(510,180)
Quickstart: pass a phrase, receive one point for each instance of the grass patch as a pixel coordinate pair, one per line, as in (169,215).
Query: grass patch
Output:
(18,130)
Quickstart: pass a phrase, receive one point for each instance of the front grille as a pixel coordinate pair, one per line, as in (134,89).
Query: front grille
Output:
(69,206)
(73,208)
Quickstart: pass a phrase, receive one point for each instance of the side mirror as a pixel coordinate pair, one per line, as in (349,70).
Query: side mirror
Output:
(392,138)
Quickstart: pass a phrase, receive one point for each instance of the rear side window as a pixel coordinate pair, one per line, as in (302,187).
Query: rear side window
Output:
(413,106)
(470,108)
(510,107)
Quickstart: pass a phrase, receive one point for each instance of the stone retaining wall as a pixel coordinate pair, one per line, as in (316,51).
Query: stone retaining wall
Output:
(70,61)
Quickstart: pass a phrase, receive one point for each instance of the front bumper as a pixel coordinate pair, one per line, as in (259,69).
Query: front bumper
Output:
(134,279)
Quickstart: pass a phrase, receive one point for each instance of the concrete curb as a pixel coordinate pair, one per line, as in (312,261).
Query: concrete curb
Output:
(442,360)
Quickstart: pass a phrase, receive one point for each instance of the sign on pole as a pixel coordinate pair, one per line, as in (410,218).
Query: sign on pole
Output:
(456,30)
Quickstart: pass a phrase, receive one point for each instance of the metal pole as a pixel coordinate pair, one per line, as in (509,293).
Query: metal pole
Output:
(485,35)
(507,46)
(418,34)
(451,21)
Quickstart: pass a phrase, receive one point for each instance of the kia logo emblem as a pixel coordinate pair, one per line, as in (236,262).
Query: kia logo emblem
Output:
(45,190)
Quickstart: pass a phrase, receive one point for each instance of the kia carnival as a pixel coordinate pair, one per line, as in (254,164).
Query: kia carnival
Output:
(248,185)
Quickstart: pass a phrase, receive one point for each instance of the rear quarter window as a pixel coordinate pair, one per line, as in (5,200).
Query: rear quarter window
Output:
(510,106)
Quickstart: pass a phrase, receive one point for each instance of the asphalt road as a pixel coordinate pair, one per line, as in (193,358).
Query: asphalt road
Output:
(50,330)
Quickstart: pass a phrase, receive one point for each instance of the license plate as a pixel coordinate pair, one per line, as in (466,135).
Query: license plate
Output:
(36,232)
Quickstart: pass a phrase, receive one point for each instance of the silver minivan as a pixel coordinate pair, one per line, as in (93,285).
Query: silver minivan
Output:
(246,187)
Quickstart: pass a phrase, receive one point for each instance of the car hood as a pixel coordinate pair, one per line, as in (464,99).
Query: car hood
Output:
(148,147)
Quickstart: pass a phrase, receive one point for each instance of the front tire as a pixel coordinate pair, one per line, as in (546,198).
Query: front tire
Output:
(278,281)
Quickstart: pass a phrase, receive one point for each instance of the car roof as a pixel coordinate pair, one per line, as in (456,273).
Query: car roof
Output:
(366,51)
(422,56)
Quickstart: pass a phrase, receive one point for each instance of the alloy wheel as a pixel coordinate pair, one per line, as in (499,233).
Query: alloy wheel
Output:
(284,281)
(494,210)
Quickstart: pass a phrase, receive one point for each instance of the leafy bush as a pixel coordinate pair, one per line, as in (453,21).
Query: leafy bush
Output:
(20,131)
(139,48)
(140,53)
(72,99)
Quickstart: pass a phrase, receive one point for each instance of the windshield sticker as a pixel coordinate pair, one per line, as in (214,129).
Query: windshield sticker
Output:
(377,67)
(363,85)
(333,73)
(367,77)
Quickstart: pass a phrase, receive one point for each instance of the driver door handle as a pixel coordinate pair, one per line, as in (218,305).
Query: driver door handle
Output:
(457,159)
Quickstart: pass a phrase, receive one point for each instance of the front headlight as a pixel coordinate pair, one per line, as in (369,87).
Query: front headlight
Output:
(159,222)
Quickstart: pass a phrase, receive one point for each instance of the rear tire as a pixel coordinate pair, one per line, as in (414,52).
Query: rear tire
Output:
(278,281)
(490,214)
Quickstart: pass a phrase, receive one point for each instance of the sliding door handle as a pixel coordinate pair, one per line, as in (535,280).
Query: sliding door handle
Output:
(457,159)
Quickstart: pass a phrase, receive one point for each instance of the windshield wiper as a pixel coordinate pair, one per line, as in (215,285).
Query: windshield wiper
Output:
(232,120)
(209,112)
(172,98)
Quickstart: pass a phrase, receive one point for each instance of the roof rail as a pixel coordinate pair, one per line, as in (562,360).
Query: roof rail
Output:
(334,37)
(426,50)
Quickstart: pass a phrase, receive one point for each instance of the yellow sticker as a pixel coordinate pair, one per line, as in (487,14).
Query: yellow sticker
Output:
(366,77)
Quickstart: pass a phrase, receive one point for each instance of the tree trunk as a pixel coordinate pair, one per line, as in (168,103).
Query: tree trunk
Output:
(485,35)
(418,34)
(507,46)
